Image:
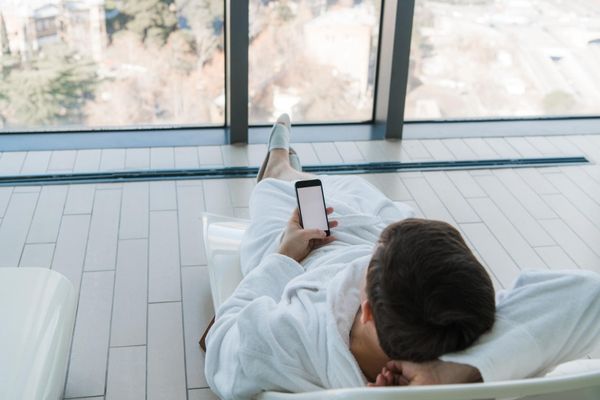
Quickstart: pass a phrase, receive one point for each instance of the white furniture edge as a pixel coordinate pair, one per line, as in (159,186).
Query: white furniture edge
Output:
(42,303)
(487,390)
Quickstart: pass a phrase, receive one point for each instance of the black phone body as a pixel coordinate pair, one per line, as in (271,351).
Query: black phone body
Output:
(311,204)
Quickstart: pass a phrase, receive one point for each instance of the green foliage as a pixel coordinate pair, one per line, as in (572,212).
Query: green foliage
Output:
(152,20)
(205,18)
(51,89)
(116,23)
(558,102)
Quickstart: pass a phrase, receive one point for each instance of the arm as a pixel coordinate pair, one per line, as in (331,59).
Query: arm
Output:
(242,329)
(258,336)
(277,269)
(547,318)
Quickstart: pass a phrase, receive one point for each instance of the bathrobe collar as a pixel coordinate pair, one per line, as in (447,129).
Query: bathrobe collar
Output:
(343,301)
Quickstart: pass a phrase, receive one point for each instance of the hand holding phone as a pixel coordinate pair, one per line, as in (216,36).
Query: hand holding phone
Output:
(300,239)
(297,243)
(311,204)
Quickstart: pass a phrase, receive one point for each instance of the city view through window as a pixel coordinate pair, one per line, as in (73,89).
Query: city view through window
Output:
(504,59)
(85,64)
(315,59)
(111,63)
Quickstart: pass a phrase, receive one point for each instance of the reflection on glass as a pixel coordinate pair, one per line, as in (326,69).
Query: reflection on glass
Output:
(110,63)
(314,59)
(504,58)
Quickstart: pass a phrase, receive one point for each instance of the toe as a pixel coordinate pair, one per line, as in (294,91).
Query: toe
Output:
(284,119)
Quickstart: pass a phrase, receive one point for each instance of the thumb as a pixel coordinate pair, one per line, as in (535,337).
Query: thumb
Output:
(295,218)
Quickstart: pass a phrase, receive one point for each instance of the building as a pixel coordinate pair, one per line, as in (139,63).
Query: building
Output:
(79,24)
(341,38)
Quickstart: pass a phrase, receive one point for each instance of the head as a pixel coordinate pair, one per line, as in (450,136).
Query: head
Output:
(426,293)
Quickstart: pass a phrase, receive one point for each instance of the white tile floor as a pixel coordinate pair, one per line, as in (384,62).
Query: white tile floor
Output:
(133,250)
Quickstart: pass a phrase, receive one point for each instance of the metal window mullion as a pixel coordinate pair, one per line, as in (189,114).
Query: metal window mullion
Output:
(236,72)
(394,61)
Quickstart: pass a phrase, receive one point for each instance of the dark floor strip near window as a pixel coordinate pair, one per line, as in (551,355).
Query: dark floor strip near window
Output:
(250,172)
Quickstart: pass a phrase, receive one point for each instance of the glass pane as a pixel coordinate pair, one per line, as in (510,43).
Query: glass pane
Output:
(111,63)
(314,59)
(504,58)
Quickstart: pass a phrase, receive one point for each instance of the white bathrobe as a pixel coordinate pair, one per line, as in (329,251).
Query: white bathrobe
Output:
(287,325)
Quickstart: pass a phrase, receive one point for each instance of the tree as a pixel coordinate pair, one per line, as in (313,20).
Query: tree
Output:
(51,89)
(205,19)
(152,20)
(161,85)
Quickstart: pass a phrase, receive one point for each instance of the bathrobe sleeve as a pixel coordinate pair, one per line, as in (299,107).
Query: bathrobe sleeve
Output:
(260,341)
(547,318)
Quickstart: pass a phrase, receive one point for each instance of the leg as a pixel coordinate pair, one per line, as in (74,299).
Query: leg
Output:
(279,167)
(281,162)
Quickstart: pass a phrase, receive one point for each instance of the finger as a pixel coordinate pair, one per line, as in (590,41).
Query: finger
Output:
(329,239)
(322,242)
(295,216)
(394,366)
(374,383)
(402,381)
(389,377)
(329,210)
(333,224)
(310,234)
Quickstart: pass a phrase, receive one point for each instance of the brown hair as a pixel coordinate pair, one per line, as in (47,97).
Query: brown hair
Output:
(428,292)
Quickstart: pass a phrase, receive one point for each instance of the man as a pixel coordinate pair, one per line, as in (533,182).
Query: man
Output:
(387,299)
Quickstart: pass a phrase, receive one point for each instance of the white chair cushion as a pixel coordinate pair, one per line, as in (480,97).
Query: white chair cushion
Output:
(37,313)
(575,367)
(222,240)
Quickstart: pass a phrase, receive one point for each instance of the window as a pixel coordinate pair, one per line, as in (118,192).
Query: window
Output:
(115,63)
(315,59)
(509,58)
(145,64)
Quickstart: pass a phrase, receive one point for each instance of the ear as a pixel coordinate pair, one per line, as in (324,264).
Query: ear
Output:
(366,312)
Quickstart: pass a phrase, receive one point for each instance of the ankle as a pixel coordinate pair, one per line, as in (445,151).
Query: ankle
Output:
(278,162)
(273,170)
(279,155)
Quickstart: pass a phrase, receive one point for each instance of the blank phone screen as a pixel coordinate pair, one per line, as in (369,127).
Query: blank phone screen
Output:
(312,208)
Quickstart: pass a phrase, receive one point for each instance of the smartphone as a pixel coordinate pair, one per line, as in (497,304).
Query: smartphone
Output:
(311,204)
